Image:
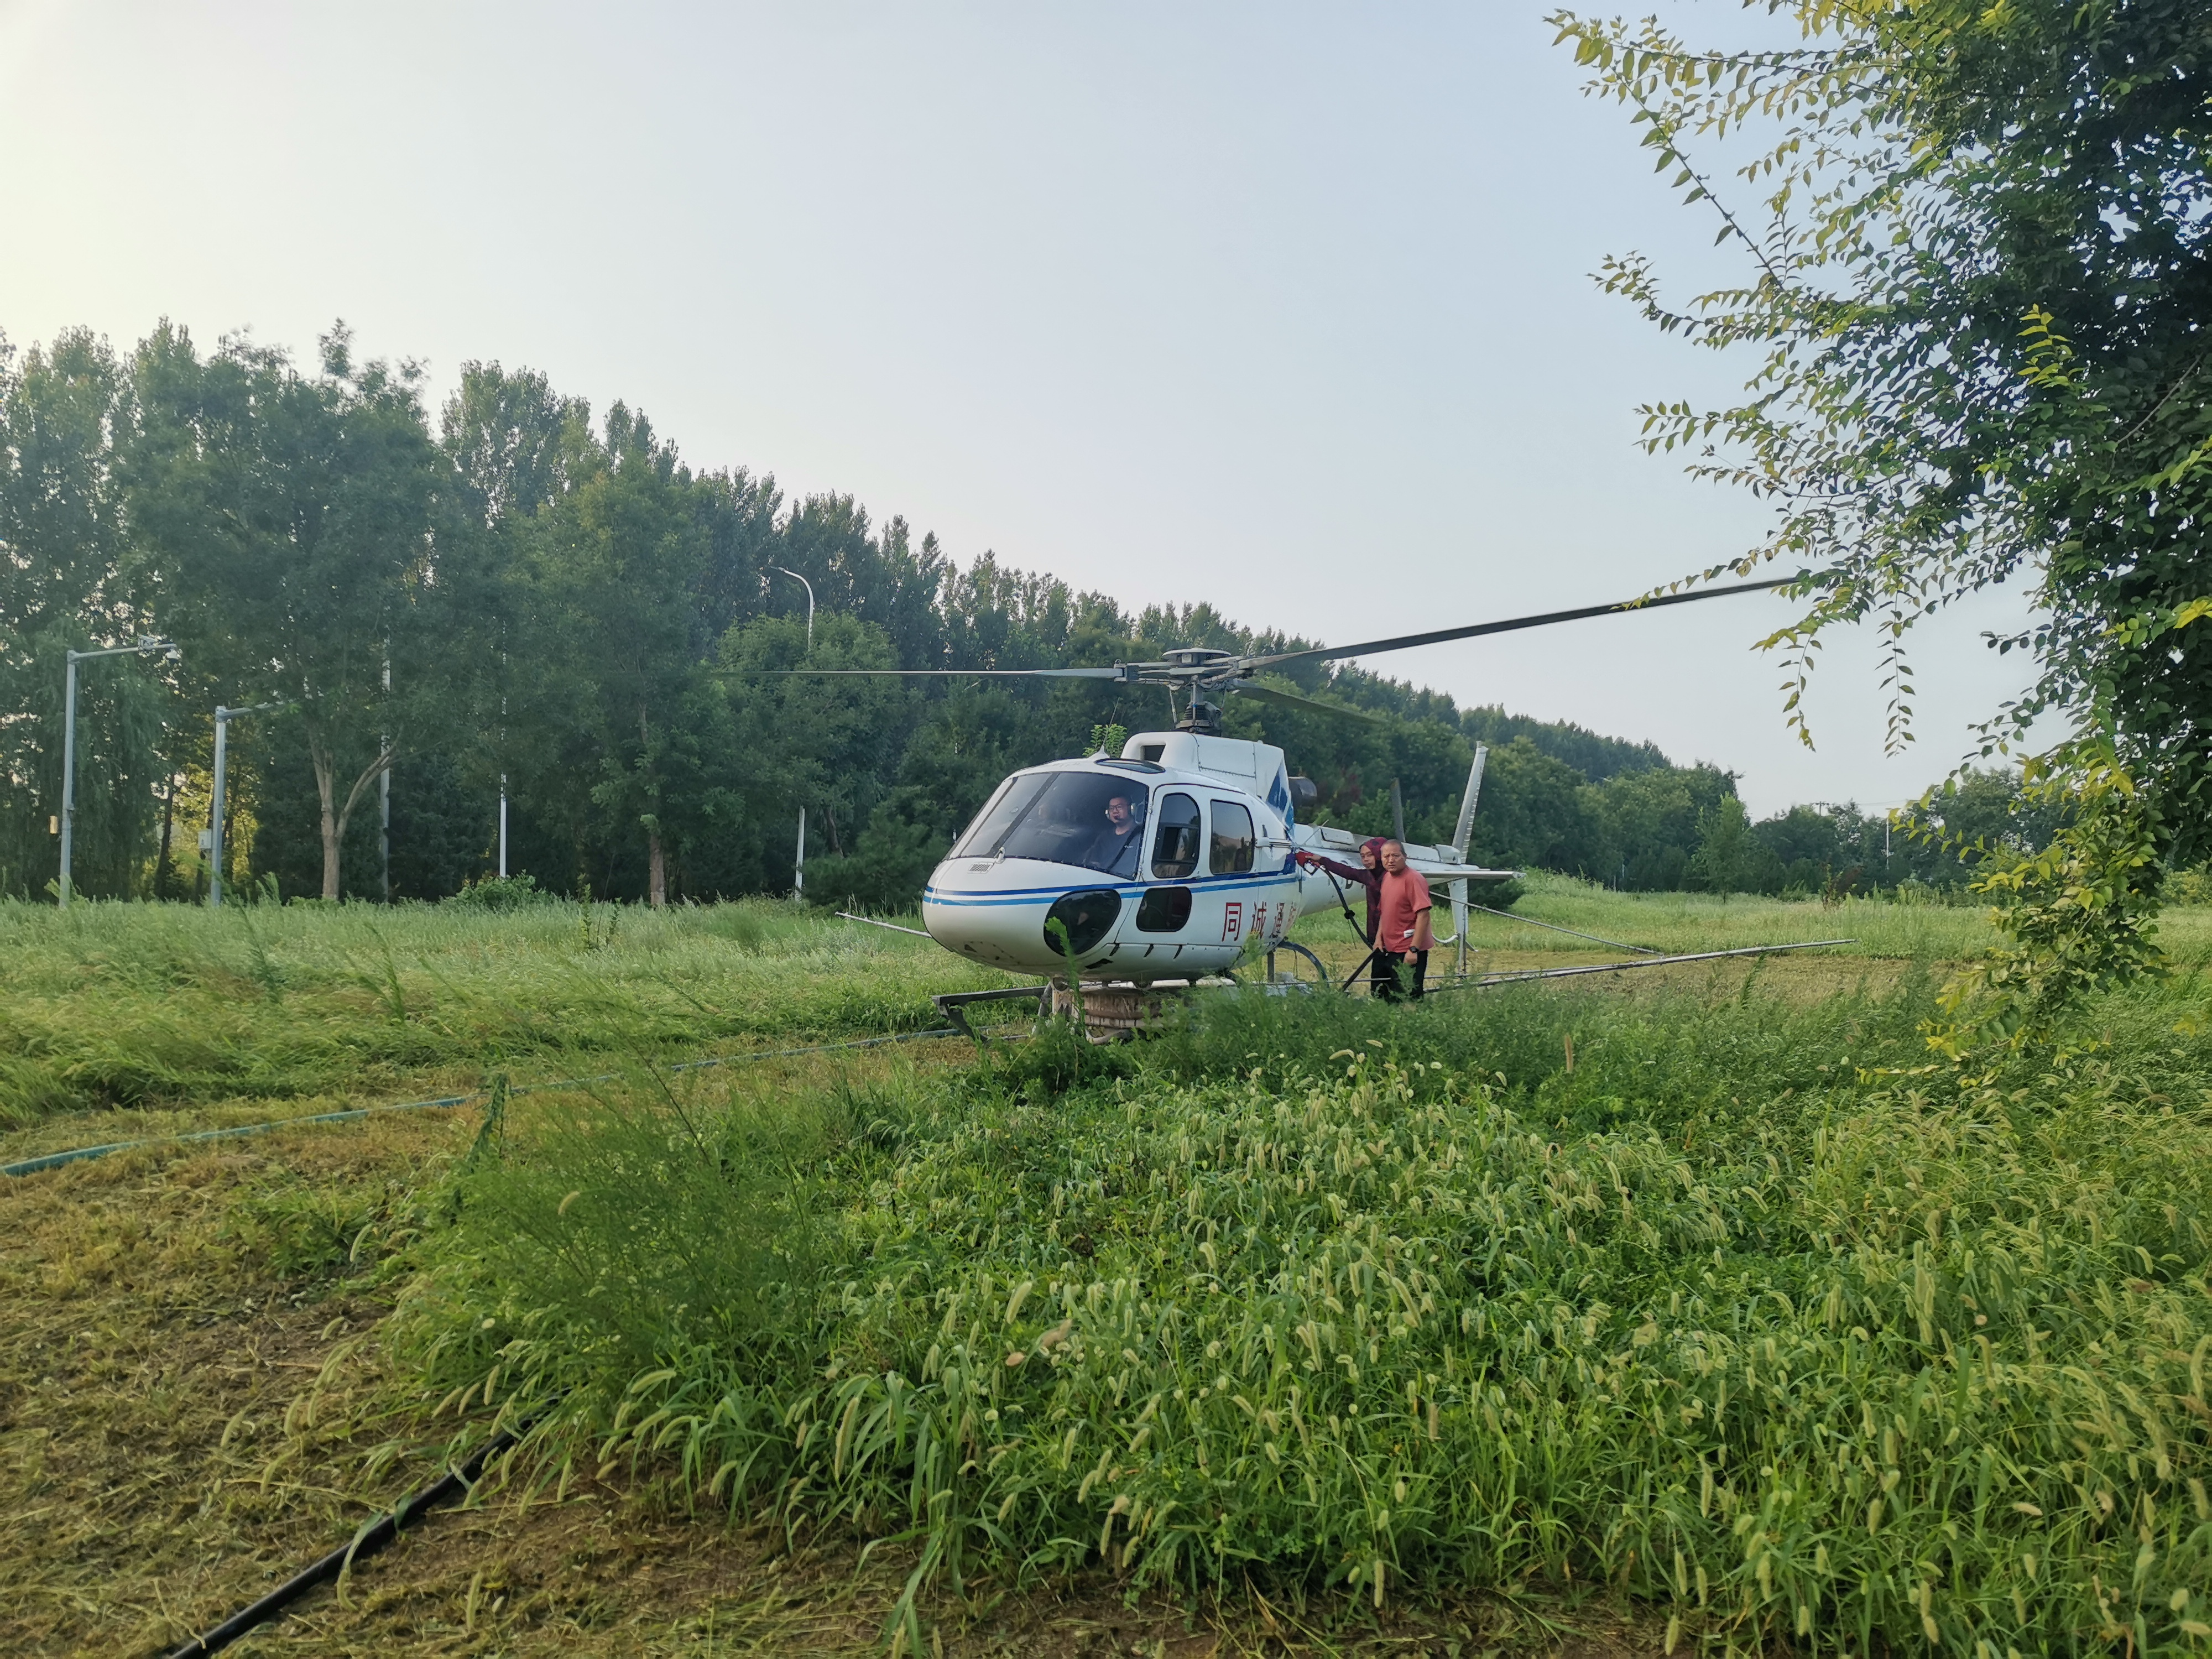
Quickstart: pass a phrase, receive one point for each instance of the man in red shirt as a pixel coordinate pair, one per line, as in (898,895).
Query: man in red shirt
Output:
(1403,937)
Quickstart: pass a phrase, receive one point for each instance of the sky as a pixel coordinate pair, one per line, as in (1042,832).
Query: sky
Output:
(1284,308)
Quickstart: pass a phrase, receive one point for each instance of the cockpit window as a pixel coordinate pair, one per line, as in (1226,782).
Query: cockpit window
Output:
(1065,817)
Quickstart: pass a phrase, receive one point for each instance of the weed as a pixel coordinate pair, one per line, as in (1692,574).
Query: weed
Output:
(1727,1317)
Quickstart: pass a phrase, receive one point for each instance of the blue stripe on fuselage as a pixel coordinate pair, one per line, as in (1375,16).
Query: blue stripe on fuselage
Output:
(1045,895)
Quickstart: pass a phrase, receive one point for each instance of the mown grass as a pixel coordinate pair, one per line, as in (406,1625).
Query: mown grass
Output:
(163,1006)
(1710,1305)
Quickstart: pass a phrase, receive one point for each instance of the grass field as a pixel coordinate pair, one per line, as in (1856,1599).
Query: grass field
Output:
(1700,921)
(164,1007)
(1682,1309)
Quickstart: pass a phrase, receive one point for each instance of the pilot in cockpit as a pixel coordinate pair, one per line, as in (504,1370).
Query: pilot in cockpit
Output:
(1114,847)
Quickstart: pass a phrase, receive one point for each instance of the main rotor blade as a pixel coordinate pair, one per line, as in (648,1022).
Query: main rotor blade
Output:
(930,673)
(1404,641)
(1268,694)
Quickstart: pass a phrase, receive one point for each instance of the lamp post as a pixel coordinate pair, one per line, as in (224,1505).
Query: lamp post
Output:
(798,866)
(146,647)
(809,586)
(223,717)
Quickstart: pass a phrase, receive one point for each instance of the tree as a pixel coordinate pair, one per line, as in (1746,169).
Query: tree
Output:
(1982,269)
(289,518)
(1980,274)
(1723,860)
(65,582)
(818,743)
(1532,810)
(611,651)
(1649,822)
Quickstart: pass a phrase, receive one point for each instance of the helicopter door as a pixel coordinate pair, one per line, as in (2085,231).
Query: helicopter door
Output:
(1175,858)
(1175,842)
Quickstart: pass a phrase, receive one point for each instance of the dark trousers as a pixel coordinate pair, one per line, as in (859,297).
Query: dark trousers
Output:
(1388,985)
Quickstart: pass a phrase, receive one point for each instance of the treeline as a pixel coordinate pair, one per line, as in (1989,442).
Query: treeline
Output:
(517,594)
(1665,829)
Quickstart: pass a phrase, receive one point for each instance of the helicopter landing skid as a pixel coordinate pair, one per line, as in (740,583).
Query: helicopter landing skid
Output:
(954,1004)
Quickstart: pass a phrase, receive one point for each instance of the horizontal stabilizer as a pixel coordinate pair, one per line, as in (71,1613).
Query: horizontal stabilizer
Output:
(1436,863)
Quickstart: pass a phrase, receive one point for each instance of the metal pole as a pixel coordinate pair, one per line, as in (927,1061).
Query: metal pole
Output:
(68,777)
(223,717)
(383,814)
(503,776)
(384,783)
(214,814)
(799,866)
(809,586)
(1397,813)
(144,647)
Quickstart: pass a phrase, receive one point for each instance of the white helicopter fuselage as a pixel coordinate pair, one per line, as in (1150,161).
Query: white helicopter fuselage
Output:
(1196,870)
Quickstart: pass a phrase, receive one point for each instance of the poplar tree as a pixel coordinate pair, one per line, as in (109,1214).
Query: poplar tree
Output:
(287,518)
(64,584)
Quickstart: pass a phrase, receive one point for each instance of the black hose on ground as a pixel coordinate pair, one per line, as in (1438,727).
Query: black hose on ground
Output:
(366,1542)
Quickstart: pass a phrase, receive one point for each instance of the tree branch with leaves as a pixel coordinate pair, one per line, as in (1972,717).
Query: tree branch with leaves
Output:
(1982,249)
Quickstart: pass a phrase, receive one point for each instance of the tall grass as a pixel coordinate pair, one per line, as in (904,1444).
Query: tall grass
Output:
(132,1005)
(171,1005)
(1711,1305)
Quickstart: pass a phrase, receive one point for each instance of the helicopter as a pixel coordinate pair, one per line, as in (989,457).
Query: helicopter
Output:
(1178,858)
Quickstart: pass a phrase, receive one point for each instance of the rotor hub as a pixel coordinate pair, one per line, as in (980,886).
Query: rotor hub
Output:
(1196,656)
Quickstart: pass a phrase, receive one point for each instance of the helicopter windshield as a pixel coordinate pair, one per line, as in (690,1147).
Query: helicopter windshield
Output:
(1065,817)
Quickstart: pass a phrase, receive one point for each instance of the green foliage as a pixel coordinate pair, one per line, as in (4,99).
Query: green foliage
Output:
(1718,1317)
(1976,287)
(290,518)
(2080,915)
(574,616)
(305,1230)
(67,581)
(1532,811)
(500,893)
(1597,759)
(1979,292)
(639,1227)
(1723,862)
(578,619)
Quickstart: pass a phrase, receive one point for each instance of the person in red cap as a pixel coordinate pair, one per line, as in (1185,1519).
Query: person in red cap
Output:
(1402,937)
(1368,874)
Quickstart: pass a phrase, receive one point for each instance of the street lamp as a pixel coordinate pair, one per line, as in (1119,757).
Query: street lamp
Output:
(799,866)
(809,586)
(223,717)
(146,647)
